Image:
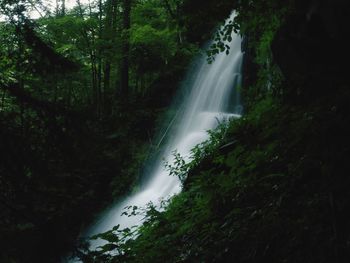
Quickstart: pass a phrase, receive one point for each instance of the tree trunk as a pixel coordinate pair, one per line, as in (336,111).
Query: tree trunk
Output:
(107,34)
(124,70)
(3,100)
(63,7)
(93,60)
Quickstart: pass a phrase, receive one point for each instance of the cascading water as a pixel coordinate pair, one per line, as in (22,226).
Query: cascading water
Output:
(212,97)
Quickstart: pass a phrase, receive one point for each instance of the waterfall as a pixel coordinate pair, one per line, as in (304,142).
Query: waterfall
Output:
(211,96)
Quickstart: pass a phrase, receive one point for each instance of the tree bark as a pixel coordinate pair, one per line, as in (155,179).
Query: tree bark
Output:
(92,54)
(63,7)
(106,35)
(124,77)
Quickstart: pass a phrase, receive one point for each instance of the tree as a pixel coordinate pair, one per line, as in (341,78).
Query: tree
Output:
(124,71)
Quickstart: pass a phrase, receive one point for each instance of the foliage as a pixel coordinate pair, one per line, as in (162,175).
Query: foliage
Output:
(70,145)
(269,187)
(180,167)
(242,200)
(272,189)
(257,22)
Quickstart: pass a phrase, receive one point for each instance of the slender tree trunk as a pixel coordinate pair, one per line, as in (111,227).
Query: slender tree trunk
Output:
(107,34)
(124,70)
(175,14)
(63,7)
(96,68)
(99,61)
(55,92)
(92,53)
(107,75)
(94,79)
(3,99)
(60,8)
(22,119)
(57,8)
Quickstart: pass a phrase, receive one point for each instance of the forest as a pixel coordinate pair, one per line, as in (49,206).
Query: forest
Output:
(89,89)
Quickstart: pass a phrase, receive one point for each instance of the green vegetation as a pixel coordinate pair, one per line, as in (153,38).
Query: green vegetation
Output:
(82,89)
(272,189)
(80,93)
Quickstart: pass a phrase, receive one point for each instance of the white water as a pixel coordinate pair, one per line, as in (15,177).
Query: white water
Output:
(212,96)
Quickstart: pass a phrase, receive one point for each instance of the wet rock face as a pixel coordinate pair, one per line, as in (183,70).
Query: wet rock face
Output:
(249,67)
(312,47)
